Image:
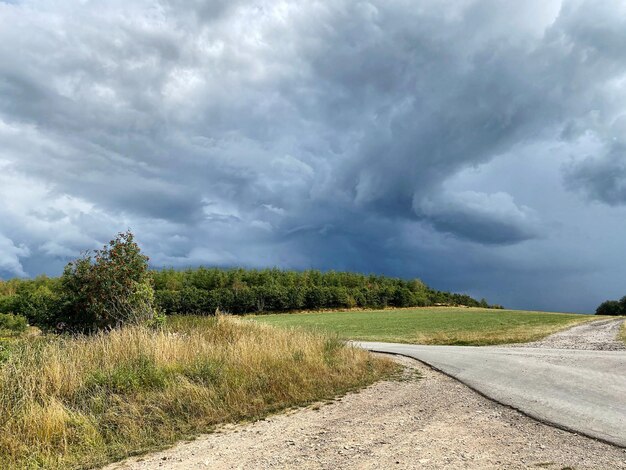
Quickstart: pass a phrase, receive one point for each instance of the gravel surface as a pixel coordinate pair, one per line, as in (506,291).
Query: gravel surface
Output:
(598,335)
(431,423)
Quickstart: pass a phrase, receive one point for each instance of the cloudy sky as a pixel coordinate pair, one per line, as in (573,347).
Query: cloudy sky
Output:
(477,144)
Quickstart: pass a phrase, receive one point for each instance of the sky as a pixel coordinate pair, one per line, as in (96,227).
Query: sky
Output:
(479,145)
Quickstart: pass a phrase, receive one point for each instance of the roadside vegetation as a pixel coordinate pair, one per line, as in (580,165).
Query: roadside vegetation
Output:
(12,325)
(623,332)
(77,402)
(110,376)
(458,326)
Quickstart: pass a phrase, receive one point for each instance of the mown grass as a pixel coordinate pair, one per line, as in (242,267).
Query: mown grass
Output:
(82,402)
(438,325)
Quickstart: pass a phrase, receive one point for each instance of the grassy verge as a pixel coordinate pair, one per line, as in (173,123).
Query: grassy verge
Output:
(622,333)
(81,402)
(461,326)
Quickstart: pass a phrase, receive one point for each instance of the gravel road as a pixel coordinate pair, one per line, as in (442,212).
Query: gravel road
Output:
(581,386)
(431,423)
(596,335)
(434,422)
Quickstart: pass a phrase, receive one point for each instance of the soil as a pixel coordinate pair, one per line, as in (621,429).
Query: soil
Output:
(432,422)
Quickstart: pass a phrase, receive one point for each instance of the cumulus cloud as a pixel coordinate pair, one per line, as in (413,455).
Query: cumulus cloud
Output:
(298,133)
(10,255)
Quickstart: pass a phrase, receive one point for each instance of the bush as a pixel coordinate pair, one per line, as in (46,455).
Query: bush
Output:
(110,288)
(612,307)
(169,301)
(41,306)
(13,323)
(9,304)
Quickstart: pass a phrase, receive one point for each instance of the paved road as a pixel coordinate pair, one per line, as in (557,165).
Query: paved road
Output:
(580,390)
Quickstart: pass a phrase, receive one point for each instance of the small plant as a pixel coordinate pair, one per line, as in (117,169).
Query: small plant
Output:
(108,288)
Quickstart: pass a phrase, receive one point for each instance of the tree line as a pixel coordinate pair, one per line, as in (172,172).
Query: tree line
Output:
(239,291)
(97,289)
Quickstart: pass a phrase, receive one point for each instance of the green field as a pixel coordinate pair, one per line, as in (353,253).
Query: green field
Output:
(437,325)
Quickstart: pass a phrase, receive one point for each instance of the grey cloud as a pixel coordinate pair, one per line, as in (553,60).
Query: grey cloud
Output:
(488,218)
(298,133)
(602,177)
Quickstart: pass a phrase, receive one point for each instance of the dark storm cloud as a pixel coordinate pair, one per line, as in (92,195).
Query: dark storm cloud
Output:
(305,134)
(490,219)
(601,177)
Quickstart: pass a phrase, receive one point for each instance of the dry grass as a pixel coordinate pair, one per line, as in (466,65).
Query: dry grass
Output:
(622,333)
(81,402)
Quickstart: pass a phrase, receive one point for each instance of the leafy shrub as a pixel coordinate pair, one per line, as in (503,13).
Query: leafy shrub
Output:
(13,323)
(9,303)
(169,301)
(107,289)
(41,305)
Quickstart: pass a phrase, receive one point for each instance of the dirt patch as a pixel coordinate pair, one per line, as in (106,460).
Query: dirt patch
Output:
(601,335)
(431,423)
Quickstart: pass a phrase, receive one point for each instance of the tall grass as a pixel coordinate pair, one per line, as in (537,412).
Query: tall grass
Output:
(81,402)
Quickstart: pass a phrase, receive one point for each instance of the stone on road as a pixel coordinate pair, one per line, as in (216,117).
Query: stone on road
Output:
(580,390)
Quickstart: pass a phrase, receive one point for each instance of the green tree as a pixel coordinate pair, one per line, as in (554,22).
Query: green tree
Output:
(612,307)
(108,288)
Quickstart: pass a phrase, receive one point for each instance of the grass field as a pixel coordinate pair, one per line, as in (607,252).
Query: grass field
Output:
(438,325)
(80,402)
(623,332)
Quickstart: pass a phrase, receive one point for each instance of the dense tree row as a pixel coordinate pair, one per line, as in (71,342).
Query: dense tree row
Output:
(238,291)
(242,291)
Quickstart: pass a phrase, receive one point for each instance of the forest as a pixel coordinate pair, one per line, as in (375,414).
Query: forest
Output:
(203,291)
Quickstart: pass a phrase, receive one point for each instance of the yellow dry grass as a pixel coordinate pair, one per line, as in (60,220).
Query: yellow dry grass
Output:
(81,402)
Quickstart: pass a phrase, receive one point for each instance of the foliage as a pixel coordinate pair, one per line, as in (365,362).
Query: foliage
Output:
(13,323)
(202,291)
(107,289)
(612,307)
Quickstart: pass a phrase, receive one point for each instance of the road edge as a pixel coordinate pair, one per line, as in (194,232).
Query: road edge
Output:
(530,415)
